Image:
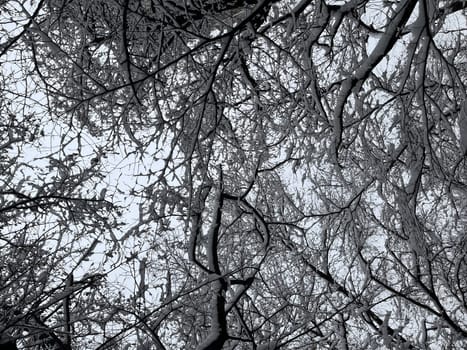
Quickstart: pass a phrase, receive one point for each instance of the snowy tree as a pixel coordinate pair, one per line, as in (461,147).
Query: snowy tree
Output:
(248,174)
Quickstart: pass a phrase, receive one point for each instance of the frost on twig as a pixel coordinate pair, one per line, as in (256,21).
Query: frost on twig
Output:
(463,127)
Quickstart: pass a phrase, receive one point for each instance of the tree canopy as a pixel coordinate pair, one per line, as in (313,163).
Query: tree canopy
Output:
(241,174)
